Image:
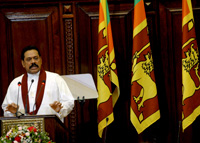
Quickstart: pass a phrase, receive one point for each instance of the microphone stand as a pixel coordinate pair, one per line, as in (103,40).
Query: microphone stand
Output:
(19,84)
(27,97)
(82,102)
(43,82)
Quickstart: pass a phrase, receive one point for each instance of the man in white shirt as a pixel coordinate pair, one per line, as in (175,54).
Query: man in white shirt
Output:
(37,91)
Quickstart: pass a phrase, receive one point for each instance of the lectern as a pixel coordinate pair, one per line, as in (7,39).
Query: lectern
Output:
(49,123)
(83,89)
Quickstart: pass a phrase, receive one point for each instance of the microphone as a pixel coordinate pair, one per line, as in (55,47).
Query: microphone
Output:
(43,83)
(27,96)
(19,84)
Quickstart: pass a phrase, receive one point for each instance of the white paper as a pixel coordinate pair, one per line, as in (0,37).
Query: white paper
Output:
(82,86)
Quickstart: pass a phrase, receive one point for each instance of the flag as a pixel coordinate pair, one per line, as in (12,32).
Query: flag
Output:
(190,67)
(144,109)
(107,79)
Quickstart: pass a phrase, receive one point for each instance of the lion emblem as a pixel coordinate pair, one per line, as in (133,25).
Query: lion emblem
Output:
(141,75)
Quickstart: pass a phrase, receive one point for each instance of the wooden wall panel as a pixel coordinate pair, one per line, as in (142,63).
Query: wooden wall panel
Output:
(4,58)
(36,26)
(166,24)
(87,20)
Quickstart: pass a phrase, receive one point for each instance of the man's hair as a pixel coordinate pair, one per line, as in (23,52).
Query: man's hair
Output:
(27,48)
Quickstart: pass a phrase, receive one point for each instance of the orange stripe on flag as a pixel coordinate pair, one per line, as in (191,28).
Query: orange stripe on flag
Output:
(110,39)
(186,10)
(101,15)
(140,16)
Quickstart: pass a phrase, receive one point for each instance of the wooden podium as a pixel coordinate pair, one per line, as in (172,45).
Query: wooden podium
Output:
(49,123)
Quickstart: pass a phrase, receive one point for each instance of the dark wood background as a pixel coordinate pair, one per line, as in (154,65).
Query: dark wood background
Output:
(67,34)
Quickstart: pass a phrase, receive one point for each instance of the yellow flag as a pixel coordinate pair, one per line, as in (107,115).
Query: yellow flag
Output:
(107,79)
(190,67)
(144,109)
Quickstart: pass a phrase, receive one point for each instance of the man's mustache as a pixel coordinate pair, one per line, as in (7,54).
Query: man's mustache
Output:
(33,65)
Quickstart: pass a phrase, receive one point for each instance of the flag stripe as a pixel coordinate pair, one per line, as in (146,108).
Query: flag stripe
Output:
(136,1)
(187,13)
(101,15)
(140,15)
(139,28)
(146,123)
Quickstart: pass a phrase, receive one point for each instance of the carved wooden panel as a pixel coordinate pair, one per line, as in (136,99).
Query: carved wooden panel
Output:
(69,44)
(70,63)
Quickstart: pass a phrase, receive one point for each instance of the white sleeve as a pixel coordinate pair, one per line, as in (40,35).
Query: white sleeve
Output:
(10,98)
(65,97)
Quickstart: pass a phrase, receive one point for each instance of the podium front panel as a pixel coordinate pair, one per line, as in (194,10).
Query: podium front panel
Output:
(6,125)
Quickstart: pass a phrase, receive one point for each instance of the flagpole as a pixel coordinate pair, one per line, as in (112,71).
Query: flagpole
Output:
(105,131)
(179,131)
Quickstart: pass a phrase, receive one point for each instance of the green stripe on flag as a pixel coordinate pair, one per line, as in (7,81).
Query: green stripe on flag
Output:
(107,13)
(136,1)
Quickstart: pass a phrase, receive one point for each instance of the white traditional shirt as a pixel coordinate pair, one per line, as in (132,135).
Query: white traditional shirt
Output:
(56,89)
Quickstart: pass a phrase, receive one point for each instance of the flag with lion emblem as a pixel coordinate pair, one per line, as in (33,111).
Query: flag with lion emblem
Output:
(190,67)
(107,79)
(144,110)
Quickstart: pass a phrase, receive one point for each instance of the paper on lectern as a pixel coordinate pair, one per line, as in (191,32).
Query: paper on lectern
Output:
(81,85)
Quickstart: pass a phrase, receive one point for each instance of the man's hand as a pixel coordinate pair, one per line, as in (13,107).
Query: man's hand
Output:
(12,108)
(56,105)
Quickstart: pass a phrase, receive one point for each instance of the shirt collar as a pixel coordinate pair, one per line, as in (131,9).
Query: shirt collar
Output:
(33,75)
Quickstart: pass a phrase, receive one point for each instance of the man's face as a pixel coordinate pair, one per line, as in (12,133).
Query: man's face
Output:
(32,61)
